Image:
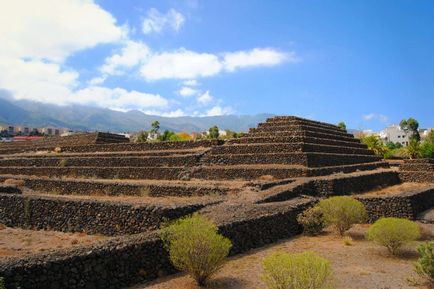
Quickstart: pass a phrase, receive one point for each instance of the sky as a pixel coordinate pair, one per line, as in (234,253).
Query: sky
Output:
(368,63)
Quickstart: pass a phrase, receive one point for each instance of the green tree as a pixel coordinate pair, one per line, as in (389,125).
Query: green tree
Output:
(214,132)
(155,126)
(375,144)
(195,246)
(342,125)
(413,149)
(166,135)
(411,125)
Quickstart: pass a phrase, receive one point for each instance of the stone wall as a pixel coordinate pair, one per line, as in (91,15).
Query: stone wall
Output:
(331,186)
(407,205)
(417,170)
(112,188)
(85,215)
(124,261)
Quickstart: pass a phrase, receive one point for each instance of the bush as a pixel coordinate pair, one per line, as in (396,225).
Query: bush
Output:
(312,221)
(342,212)
(375,144)
(427,150)
(425,263)
(296,271)
(393,233)
(195,246)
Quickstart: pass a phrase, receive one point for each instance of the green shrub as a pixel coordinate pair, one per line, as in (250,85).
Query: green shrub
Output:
(296,271)
(375,144)
(2,283)
(195,246)
(425,263)
(312,221)
(427,150)
(393,233)
(342,212)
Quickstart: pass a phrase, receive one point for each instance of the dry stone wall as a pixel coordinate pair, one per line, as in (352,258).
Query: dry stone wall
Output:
(89,216)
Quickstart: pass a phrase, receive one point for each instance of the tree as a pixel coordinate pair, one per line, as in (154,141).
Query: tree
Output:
(214,132)
(342,125)
(195,246)
(166,135)
(155,126)
(375,144)
(411,125)
(413,148)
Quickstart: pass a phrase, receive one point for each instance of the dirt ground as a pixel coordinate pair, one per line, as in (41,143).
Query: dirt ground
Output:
(362,265)
(18,242)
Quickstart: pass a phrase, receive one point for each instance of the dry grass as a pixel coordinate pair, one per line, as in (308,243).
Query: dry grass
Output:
(15,182)
(398,189)
(18,242)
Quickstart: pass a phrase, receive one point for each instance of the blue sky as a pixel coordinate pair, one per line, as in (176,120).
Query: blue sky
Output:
(368,63)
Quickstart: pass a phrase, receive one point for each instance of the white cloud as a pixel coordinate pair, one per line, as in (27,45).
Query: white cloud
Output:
(118,98)
(131,55)
(181,64)
(157,22)
(205,98)
(256,57)
(191,82)
(187,91)
(186,64)
(175,113)
(376,116)
(36,80)
(218,110)
(53,29)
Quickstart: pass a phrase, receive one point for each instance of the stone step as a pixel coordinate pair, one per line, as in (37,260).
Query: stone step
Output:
(297,158)
(142,188)
(122,161)
(295,139)
(290,128)
(301,133)
(286,147)
(294,119)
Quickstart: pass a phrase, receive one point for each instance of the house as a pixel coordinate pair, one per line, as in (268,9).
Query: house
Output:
(10,129)
(51,131)
(395,134)
(24,130)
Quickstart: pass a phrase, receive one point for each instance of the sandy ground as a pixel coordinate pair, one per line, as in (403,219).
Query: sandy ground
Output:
(363,265)
(18,242)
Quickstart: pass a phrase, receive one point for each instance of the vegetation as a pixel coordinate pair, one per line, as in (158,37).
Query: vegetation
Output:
(296,271)
(342,212)
(2,283)
(141,137)
(166,135)
(312,221)
(411,125)
(232,134)
(393,233)
(425,263)
(155,126)
(214,132)
(342,125)
(195,246)
(375,144)
(413,149)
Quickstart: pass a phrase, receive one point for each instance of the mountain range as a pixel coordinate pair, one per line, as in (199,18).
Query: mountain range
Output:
(86,118)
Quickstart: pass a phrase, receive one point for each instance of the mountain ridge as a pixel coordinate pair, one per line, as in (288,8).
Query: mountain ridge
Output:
(87,118)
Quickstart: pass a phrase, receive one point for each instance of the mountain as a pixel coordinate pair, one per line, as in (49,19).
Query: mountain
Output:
(79,117)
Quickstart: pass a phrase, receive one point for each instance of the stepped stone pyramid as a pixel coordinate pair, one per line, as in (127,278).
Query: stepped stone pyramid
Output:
(288,146)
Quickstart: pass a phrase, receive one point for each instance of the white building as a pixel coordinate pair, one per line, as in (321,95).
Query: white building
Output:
(395,134)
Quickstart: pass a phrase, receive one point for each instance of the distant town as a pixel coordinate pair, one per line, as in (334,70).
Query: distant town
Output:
(9,133)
